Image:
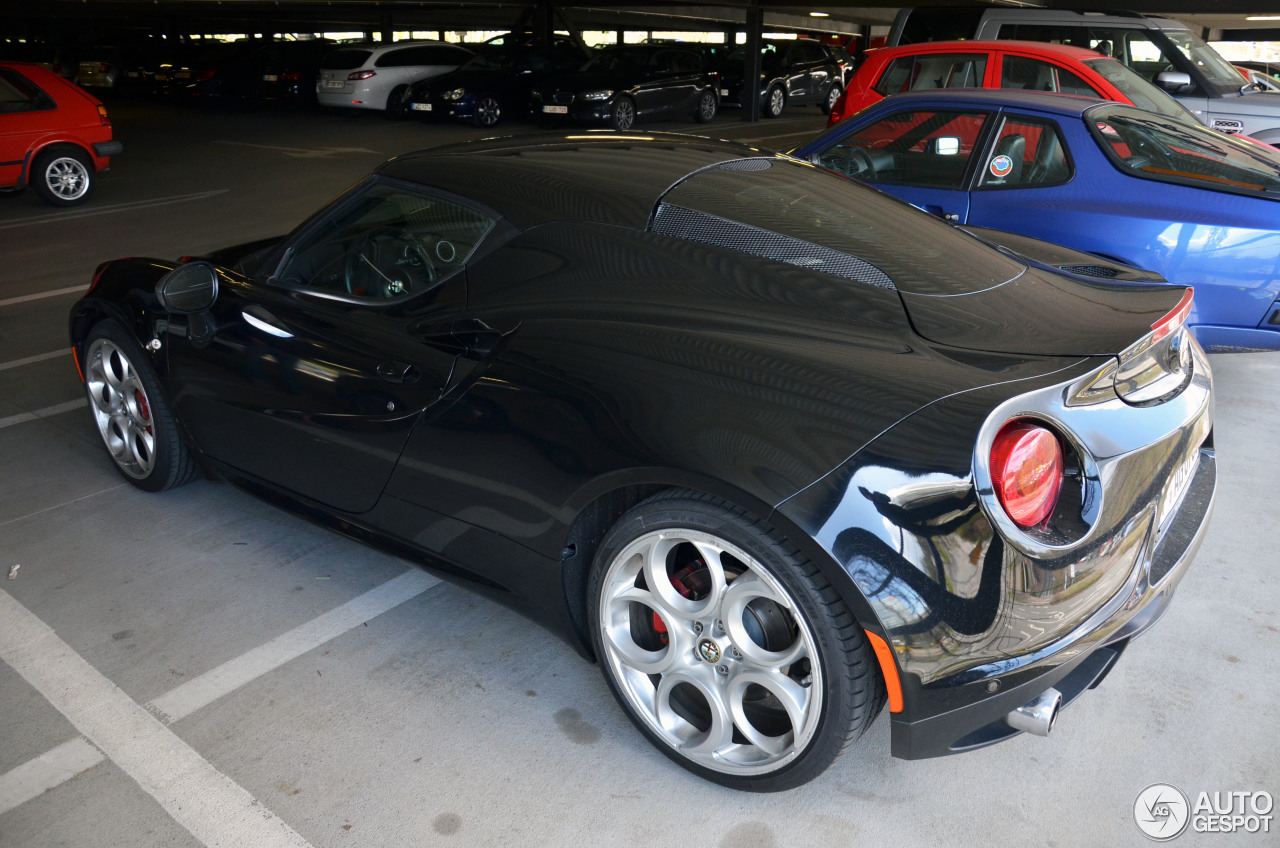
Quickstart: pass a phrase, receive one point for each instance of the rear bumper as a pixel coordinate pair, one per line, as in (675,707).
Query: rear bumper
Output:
(1075,663)
(107,149)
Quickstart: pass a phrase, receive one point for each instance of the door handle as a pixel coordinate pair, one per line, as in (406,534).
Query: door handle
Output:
(397,372)
(257,317)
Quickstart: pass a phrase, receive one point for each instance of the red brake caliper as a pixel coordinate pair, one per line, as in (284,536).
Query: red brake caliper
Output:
(143,408)
(678,581)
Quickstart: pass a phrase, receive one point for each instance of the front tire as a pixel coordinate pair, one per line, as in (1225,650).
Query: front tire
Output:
(63,175)
(488,111)
(130,412)
(775,100)
(728,649)
(623,114)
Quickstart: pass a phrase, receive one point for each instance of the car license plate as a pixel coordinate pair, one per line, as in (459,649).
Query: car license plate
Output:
(420,107)
(724,92)
(160,78)
(556,110)
(182,75)
(1177,487)
(269,77)
(134,75)
(334,84)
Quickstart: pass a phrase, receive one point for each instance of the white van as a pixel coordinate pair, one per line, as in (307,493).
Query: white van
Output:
(1165,51)
(376,76)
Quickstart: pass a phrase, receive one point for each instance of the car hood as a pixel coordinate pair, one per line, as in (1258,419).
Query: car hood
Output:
(1257,103)
(1064,303)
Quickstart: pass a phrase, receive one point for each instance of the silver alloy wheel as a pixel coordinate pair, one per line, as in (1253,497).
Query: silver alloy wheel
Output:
(624,114)
(777,100)
(707,106)
(488,110)
(67,178)
(713,657)
(121,408)
(833,94)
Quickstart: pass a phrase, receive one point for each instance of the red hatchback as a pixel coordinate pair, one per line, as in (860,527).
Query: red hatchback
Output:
(1030,65)
(54,136)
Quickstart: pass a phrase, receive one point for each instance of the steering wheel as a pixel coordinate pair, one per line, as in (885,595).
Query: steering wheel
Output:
(388,262)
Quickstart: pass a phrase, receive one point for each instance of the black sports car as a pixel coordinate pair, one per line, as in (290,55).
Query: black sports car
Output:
(621,85)
(776,449)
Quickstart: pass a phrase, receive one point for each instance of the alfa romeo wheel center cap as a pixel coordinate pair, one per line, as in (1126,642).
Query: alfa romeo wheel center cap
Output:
(709,651)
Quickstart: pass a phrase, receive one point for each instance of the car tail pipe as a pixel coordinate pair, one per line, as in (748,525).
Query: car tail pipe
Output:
(1037,715)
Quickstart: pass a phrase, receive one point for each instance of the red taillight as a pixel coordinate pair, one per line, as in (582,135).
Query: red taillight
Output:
(292,76)
(205,76)
(360,75)
(104,68)
(102,115)
(1175,319)
(1026,470)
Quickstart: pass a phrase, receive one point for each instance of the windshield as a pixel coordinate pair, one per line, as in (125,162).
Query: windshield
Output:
(1153,148)
(1216,69)
(1141,93)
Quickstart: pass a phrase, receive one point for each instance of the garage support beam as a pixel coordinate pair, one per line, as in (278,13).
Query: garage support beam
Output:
(750,95)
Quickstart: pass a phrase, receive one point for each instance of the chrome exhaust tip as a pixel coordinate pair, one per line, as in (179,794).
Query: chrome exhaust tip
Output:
(1037,715)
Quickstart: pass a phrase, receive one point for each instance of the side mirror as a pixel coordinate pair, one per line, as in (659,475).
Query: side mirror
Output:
(188,288)
(1174,82)
(945,145)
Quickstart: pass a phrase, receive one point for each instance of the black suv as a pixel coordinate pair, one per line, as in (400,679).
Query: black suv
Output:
(795,72)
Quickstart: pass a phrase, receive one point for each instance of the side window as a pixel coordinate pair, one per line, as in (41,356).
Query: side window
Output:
(1037,75)
(947,70)
(924,148)
(19,94)
(1028,153)
(681,62)
(386,242)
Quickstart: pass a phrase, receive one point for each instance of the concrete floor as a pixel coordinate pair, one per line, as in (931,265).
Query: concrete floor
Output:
(248,679)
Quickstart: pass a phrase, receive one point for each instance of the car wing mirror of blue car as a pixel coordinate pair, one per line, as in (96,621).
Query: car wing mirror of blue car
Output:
(188,289)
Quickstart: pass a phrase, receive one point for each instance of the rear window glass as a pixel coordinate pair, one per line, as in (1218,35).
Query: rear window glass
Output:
(1155,148)
(749,201)
(345,60)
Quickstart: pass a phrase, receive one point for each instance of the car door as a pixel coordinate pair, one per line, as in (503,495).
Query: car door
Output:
(25,111)
(796,72)
(924,156)
(658,89)
(1025,170)
(313,379)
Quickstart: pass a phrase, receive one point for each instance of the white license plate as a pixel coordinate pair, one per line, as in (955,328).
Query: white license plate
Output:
(182,75)
(269,77)
(161,78)
(420,107)
(724,92)
(134,75)
(334,84)
(556,110)
(1177,487)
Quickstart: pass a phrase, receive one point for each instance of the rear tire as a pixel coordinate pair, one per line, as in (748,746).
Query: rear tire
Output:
(62,175)
(130,412)
(726,647)
(397,109)
(706,108)
(833,96)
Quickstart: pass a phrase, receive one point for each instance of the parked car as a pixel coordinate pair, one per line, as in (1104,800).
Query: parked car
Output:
(101,66)
(794,72)
(1028,65)
(253,74)
(1258,79)
(1164,51)
(377,76)
(621,85)
(497,82)
(1194,206)
(773,447)
(54,136)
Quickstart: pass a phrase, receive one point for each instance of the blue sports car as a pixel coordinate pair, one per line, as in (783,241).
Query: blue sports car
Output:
(1197,207)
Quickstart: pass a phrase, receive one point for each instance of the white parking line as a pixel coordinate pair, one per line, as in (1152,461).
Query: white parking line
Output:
(41,295)
(55,767)
(32,360)
(212,807)
(56,217)
(56,409)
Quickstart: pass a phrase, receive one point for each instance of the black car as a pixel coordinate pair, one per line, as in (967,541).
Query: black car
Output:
(795,72)
(774,448)
(621,85)
(495,83)
(253,74)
